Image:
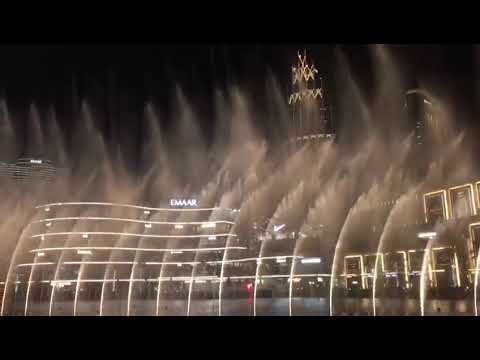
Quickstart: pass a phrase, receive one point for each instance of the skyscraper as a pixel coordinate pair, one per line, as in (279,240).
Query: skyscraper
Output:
(311,116)
(420,120)
(420,116)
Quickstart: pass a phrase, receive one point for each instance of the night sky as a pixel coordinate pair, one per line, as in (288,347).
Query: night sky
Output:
(42,72)
(118,79)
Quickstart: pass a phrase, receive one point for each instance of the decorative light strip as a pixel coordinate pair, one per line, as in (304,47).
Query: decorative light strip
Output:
(405,267)
(128,234)
(299,96)
(149,262)
(173,263)
(84,252)
(83,280)
(252,259)
(127,206)
(303,71)
(101,218)
(311,260)
(35,264)
(134,249)
(208,225)
(277,276)
(99,263)
(427,235)
(477,188)
(173,278)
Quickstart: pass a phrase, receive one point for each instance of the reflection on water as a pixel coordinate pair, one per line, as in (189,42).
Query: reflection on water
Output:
(276,307)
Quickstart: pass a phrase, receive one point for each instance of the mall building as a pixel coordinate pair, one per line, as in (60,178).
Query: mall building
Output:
(443,245)
(101,258)
(115,259)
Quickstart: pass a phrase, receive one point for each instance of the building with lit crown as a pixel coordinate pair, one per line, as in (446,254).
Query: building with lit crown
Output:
(312,118)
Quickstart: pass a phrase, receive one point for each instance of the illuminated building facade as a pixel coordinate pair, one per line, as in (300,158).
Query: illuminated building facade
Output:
(112,259)
(101,258)
(28,170)
(445,228)
(311,117)
(283,272)
(446,252)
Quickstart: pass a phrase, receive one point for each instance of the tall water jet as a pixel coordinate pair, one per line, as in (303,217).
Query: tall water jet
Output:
(9,147)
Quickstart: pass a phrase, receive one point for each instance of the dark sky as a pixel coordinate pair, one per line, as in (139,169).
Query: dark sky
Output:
(43,72)
(118,79)
(36,67)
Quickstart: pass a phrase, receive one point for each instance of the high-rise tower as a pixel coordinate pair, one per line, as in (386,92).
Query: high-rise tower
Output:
(311,116)
(428,133)
(420,117)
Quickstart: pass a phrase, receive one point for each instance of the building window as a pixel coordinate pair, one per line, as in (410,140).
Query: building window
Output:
(435,207)
(462,202)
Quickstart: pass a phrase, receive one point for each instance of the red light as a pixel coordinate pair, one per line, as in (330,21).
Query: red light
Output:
(249,287)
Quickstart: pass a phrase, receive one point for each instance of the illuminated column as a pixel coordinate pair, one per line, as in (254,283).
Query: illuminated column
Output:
(7,285)
(29,286)
(290,290)
(224,258)
(405,268)
(477,188)
(457,270)
(130,285)
(474,244)
(362,269)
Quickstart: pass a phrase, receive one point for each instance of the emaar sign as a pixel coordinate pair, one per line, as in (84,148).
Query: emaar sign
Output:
(183,202)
